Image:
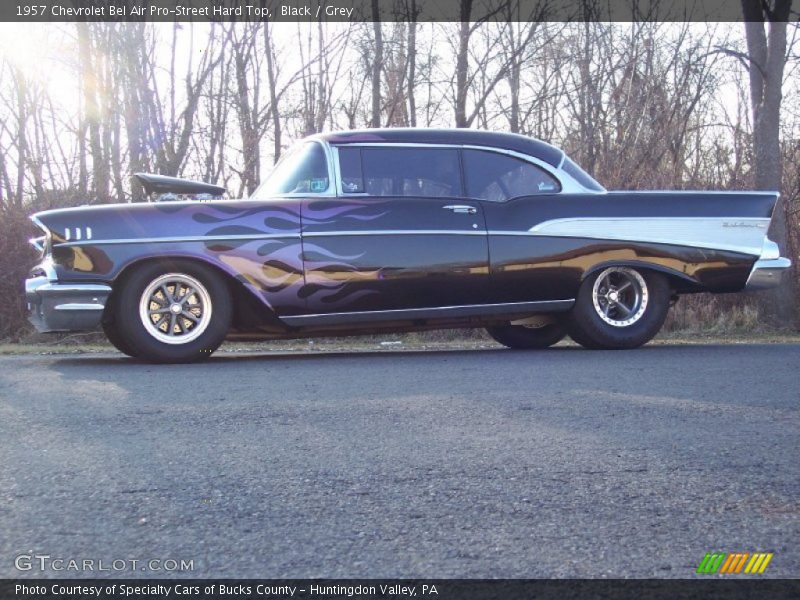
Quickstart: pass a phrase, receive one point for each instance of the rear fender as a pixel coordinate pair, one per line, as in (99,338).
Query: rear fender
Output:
(671,273)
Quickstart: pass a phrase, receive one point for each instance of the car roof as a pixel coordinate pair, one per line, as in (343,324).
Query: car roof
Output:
(466,137)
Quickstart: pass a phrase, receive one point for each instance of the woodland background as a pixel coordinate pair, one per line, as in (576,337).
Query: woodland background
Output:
(638,105)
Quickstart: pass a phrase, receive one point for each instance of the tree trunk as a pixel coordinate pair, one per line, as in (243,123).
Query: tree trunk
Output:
(377,65)
(462,64)
(412,65)
(766,45)
(273,93)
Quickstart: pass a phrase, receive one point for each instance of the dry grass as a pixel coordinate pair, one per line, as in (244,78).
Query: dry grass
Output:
(401,342)
(707,314)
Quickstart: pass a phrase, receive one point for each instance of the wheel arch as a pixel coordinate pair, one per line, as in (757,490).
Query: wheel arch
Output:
(678,281)
(249,309)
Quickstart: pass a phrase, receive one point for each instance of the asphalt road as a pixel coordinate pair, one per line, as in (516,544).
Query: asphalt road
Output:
(482,463)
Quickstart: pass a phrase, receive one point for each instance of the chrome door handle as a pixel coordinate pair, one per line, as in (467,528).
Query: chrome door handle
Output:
(461,209)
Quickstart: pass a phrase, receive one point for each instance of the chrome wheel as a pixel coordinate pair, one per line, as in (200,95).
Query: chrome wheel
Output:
(620,296)
(175,308)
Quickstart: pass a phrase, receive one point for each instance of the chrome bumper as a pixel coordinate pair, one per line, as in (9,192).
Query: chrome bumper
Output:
(55,306)
(767,270)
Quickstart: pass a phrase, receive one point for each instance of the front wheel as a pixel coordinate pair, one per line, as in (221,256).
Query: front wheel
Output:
(173,313)
(618,308)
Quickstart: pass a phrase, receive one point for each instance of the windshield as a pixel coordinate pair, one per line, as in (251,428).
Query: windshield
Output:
(302,170)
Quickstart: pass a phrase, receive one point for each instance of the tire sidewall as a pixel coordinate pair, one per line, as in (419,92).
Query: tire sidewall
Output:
(588,329)
(135,333)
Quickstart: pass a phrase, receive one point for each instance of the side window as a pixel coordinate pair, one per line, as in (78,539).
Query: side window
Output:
(499,177)
(350,168)
(393,171)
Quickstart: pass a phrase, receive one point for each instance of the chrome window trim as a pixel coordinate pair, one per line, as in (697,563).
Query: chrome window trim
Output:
(338,174)
(566,181)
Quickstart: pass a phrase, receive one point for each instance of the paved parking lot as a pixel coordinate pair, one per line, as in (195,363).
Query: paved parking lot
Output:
(480,463)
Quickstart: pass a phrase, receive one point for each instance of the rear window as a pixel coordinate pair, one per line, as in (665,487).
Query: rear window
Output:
(499,177)
(397,171)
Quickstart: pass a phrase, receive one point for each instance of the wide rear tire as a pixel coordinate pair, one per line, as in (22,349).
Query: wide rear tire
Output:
(520,337)
(175,312)
(619,308)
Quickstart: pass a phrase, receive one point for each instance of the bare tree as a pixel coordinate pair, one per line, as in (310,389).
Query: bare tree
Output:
(765,29)
(377,65)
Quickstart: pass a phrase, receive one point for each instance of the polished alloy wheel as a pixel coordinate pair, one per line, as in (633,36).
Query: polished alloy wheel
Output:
(620,296)
(175,308)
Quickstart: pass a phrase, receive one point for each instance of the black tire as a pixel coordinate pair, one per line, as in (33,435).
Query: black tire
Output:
(520,337)
(630,323)
(179,339)
(112,332)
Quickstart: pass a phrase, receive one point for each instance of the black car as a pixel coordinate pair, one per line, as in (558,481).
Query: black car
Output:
(397,230)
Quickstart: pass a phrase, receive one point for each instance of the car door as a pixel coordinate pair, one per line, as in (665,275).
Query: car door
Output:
(400,235)
(515,194)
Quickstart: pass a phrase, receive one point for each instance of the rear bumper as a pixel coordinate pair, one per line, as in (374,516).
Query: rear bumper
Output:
(766,273)
(56,306)
(767,270)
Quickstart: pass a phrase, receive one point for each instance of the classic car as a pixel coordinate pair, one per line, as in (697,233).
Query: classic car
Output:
(397,230)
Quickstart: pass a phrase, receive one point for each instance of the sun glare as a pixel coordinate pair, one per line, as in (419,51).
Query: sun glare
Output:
(35,51)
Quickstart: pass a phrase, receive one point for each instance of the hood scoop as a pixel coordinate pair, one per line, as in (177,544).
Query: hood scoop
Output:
(163,184)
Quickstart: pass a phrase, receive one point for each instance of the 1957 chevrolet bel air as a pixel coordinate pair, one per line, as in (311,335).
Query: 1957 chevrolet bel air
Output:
(397,230)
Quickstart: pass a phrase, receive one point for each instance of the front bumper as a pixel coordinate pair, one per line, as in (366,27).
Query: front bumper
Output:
(56,306)
(767,270)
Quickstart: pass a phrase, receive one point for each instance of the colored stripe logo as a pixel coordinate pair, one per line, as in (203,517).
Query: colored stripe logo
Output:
(727,563)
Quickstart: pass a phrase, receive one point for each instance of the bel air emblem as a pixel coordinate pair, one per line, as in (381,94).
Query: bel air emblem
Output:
(743,224)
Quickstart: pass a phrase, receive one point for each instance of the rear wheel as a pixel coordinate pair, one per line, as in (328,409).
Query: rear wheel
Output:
(173,313)
(618,308)
(528,337)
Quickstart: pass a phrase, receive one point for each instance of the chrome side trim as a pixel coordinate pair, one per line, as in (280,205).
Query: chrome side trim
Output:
(180,239)
(395,232)
(439,312)
(80,306)
(735,234)
(74,287)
